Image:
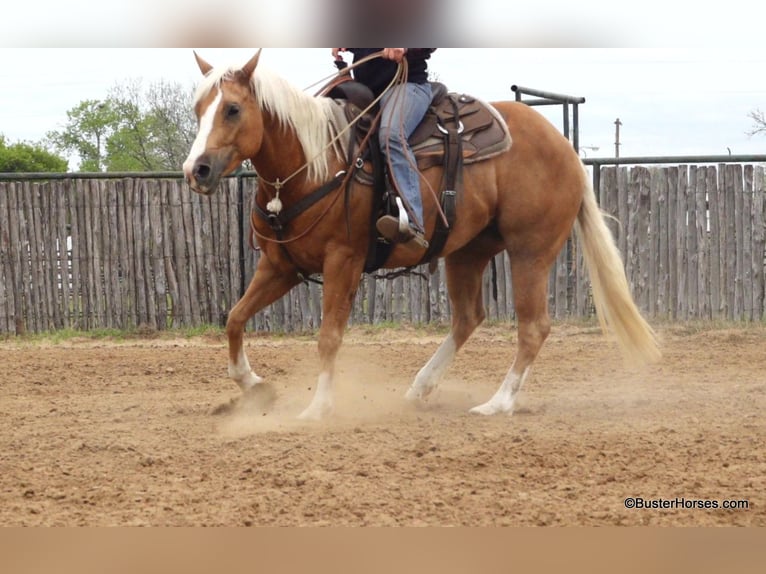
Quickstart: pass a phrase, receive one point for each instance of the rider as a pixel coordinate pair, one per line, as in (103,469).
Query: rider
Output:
(397,123)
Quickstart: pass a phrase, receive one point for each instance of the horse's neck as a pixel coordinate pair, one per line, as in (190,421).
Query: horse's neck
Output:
(280,154)
(313,119)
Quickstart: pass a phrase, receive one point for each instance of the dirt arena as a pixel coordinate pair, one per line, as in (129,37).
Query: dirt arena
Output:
(147,431)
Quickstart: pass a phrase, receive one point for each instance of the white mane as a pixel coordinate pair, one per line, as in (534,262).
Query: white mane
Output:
(315,121)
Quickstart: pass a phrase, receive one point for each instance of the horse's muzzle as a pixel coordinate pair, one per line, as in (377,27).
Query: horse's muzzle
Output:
(203,175)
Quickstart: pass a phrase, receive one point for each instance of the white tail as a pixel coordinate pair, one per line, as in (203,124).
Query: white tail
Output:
(611,294)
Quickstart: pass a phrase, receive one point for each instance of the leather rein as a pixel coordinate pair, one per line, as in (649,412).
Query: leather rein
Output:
(275,205)
(279,218)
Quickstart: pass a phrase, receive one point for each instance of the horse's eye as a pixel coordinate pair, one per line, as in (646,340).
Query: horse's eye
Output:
(232,111)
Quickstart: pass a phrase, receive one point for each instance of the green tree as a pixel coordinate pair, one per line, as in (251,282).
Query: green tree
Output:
(155,129)
(134,129)
(130,147)
(23,157)
(88,128)
(171,121)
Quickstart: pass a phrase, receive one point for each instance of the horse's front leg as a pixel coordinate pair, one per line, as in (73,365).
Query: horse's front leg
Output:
(266,286)
(342,272)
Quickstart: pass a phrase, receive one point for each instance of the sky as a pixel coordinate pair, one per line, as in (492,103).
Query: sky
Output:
(670,101)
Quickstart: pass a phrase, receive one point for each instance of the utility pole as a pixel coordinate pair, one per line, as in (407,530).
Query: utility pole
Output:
(617,124)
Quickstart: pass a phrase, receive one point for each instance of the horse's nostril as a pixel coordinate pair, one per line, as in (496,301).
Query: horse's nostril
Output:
(201,172)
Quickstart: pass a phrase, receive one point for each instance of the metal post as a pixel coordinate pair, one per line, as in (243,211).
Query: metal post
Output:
(243,244)
(550,96)
(542,98)
(617,124)
(597,179)
(576,127)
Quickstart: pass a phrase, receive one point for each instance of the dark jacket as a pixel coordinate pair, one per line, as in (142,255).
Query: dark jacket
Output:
(378,73)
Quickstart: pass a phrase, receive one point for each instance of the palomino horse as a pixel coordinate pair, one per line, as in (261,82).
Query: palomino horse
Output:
(525,201)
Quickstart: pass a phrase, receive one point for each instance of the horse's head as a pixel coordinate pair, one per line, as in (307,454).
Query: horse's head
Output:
(230,125)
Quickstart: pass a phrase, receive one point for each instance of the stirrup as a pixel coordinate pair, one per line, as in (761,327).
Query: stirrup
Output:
(400,230)
(404,219)
(388,226)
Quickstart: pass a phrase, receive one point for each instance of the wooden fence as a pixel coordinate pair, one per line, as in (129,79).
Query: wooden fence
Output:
(145,251)
(692,238)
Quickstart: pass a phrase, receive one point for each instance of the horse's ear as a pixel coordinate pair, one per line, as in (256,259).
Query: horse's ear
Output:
(249,68)
(203,65)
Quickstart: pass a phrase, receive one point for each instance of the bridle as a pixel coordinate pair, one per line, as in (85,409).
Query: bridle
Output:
(278,218)
(400,77)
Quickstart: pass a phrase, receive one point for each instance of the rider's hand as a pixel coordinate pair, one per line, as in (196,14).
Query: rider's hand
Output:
(395,54)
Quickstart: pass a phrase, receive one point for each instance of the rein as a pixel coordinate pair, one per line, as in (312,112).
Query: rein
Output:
(274,214)
(278,221)
(275,205)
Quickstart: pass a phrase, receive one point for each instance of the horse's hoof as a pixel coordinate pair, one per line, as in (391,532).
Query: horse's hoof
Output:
(416,394)
(316,413)
(413,395)
(492,408)
(250,382)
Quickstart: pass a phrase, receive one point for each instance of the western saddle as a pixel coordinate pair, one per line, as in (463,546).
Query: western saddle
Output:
(457,130)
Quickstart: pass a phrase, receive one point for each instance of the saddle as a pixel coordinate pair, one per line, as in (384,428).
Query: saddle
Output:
(456,130)
(482,131)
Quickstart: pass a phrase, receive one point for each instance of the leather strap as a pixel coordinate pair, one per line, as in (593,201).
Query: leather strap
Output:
(278,221)
(453,183)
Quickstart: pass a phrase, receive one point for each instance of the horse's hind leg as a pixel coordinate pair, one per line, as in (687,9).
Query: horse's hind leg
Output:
(266,286)
(464,274)
(530,289)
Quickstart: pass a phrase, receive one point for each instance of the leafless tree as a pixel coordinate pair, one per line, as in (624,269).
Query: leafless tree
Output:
(759,122)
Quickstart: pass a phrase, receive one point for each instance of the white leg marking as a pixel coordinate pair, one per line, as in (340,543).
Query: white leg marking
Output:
(503,399)
(428,377)
(322,403)
(242,373)
(200,142)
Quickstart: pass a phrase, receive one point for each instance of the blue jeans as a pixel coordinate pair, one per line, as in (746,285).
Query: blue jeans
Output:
(402,112)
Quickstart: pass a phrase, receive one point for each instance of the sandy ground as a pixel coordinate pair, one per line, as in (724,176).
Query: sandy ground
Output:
(150,432)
